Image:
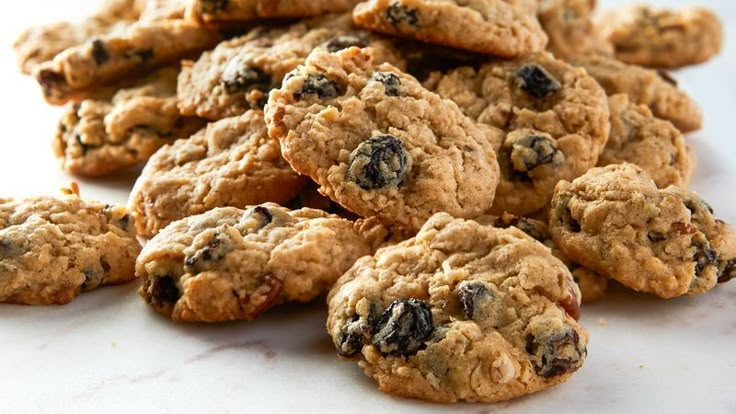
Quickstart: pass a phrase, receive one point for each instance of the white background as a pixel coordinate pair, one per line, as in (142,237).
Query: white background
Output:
(107,352)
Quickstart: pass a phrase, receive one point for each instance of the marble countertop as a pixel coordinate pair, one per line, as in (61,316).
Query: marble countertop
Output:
(106,352)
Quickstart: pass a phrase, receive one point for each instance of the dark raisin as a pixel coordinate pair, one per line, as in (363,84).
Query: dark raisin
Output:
(92,279)
(124,221)
(50,80)
(536,81)
(99,52)
(655,236)
(142,55)
(729,271)
(396,14)
(555,354)
(403,327)
(574,225)
(471,294)
(264,215)
(346,41)
(238,77)
(532,151)
(212,6)
(704,256)
(9,249)
(164,291)
(379,162)
(391,82)
(667,77)
(350,342)
(320,85)
(85,147)
(215,250)
(695,204)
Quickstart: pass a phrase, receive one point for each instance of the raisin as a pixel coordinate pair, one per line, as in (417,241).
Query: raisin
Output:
(350,342)
(403,327)
(471,294)
(164,291)
(212,6)
(9,249)
(99,52)
(215,250)
(346,41)
(390,81)
(124,221)
(536,81)
(320,85)
(695,204)
(533,228)
(704,256)
(143,55)
(729,272)
(396,14)
(263,215)
(379,162)
(655,236)
(667,77)
(555,354)
(85,147)
(238,77)
(92,279)
(532,151)
(566,218)
(49,80)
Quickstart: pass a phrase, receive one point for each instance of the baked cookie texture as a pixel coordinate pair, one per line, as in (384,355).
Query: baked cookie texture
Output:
(550,122)
(570,28)
(100,137)
(663,38)
(507,28)
(231,163)
(380,144)
(461,312)
(656,89)
(228,11)
(232,264)
(666,242)
(653,144)
(105,59)
(54,248)
(40,44)
(239,73)
(157,10)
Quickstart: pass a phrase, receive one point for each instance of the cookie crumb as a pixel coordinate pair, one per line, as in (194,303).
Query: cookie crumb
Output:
(603,323)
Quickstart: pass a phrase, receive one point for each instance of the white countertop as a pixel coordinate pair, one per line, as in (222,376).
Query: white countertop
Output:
(107,352)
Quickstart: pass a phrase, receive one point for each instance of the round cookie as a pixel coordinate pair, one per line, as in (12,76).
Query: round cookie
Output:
(663,38)
(551,121)
(653,144)
(231,264)
(231,163)
(656,89)
(570,28)
(238,74)
(53,248)
(615,221)
(506,28)
(461,312)
(380,144)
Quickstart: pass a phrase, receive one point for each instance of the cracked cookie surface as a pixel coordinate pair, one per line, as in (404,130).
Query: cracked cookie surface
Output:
(380,144)
(570,28)
(232,264)
(549,121)
(506,28)
(667,242)
(53,248)
(461,312)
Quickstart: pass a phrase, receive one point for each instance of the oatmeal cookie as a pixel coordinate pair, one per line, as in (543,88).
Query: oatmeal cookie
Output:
(380,144)
(506,28)
(239,73)
(231,264)
(551,121)
(231,163)
(53,248)
(667,242)
(461,312)
(570,28)
(100,137)
(226,11)
(663,38)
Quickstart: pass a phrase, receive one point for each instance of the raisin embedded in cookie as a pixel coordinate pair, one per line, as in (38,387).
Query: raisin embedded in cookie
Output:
(653,144)
(550,119)
(461,312)
(570,28)
(115,56)
(238,74)
(507,28)
(231,11)
(379,143)
(100,137)
(232,264)
(655,89)
(53,248)
(615,221)
(663,38)
(231,163)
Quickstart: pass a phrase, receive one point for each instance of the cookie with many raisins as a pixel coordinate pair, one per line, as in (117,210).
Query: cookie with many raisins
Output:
(461,312)
(233,264)
(616,221)
(380,144)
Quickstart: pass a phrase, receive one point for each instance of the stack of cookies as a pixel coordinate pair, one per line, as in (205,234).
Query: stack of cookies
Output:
(457,176)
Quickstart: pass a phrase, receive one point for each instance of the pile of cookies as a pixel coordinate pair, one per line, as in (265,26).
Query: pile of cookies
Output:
(456,176)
